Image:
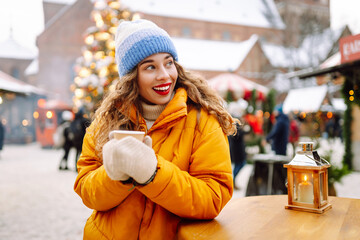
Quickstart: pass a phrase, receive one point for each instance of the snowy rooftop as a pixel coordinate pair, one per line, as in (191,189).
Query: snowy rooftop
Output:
(313,50)
(258,13)
(339,104)
(332,61)
(11,49)
(319,45)
(33,67)
(212,55)
(8,83)
(305,99)
(280,56)
(67,2)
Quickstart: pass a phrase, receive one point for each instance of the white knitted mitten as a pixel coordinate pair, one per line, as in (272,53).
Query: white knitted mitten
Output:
(130,156)
(111,166)
(148,141)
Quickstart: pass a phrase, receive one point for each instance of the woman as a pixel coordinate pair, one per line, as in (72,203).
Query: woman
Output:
(182,170)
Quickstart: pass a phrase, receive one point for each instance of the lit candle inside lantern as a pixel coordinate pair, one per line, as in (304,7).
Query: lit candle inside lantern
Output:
(305,191)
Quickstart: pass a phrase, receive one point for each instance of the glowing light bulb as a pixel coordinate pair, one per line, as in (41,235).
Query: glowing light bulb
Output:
(49,114)
(89,39)
(36,115)
(87,55)
(79,93)
(84,72)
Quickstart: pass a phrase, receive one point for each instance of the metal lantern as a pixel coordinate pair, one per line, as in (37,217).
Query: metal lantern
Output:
(307,181)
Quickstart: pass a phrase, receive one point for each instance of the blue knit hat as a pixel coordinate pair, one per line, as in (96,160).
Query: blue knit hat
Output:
(279,108)
(137,40)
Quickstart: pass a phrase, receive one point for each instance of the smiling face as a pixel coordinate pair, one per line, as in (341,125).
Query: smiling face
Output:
(157,77)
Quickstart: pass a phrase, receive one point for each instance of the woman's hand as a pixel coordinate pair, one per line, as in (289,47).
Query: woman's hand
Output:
(129,157)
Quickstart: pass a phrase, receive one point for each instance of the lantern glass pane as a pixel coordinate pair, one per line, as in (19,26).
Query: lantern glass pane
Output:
(303,187)
(322,197)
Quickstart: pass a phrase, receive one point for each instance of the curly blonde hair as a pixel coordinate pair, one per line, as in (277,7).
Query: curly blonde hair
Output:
(114,111)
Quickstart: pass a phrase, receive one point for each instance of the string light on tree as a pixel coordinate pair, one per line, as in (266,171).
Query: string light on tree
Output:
(96,70)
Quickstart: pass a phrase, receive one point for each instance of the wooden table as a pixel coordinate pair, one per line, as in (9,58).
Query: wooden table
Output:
(265,217)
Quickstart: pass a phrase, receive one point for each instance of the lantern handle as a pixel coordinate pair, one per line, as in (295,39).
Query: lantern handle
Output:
(321,160)
(327,163)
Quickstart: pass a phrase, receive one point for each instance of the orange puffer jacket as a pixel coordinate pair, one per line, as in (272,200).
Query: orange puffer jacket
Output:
(193,180)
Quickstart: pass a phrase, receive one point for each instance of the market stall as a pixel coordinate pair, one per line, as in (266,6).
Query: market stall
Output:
(347,74)
(238,86)
(18,102)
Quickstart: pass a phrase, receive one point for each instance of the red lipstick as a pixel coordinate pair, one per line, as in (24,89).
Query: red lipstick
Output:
(162,89)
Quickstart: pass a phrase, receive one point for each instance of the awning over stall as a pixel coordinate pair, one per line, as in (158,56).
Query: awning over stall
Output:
(10,84)
(305,99)
(239,86)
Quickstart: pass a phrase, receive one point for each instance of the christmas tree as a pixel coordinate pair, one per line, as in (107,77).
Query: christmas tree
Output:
(96,70)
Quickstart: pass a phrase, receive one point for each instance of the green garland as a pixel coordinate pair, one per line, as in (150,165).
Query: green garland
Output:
(351,96)
(268,106)
(348,155)
(229,97)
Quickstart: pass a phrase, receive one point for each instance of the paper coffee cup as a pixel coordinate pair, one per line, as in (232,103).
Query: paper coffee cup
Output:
(119,134)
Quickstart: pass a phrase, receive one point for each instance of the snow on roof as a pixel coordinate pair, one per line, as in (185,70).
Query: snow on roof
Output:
(11,49)
(11,84)
(280,56)
(239,85)
(33,67)
(213,55)
(339,104)
(67,2)
(319,45)
(258,13)
(313,50)
(305,99)
(332,61)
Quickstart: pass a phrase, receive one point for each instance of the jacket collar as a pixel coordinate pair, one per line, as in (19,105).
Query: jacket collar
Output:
(174,111)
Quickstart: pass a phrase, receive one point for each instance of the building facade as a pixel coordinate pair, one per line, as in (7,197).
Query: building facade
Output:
(62,40)
(303,18)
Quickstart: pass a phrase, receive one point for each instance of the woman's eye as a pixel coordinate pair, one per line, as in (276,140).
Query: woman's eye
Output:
(150,67)
(169,63)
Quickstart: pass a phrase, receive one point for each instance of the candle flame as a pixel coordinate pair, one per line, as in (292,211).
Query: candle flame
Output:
(305,178)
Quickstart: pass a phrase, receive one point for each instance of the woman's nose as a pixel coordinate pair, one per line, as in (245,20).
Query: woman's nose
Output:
(162,73)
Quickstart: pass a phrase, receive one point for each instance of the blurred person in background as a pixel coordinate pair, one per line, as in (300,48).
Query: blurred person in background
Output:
(237,150)
(77,132)
(279,134)
(294,132)
(2,135)
(333,127)
(61,138)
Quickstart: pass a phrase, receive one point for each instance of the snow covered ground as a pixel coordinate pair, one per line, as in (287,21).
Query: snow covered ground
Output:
(37,201)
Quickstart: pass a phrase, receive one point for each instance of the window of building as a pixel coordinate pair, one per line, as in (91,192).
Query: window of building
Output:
(226,35)
(15,73)
(186,32)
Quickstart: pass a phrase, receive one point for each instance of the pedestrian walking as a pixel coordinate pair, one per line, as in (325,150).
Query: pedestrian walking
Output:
(182,169)
(333,127)
(294,132)
(279,134)
(237,151)
(61,138)
(77,131)
(279,138)
(2,134)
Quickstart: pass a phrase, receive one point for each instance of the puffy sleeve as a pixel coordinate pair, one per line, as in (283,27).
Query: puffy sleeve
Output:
(92,184)
(203,190)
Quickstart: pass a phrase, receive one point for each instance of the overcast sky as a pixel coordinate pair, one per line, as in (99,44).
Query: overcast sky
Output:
(26,18)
